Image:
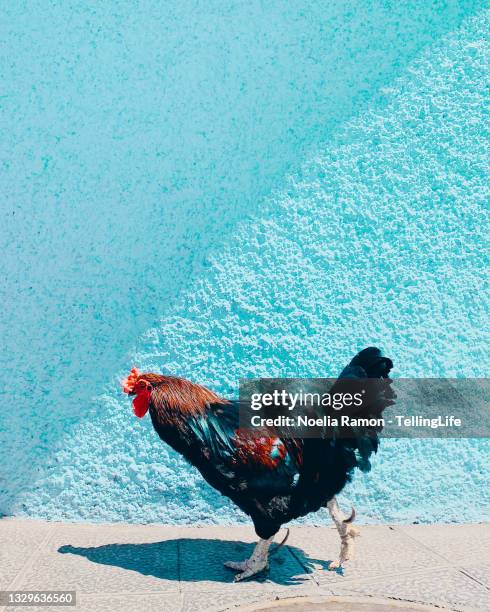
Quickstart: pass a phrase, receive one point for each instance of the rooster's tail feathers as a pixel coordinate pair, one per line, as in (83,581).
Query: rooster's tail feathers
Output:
(368,363)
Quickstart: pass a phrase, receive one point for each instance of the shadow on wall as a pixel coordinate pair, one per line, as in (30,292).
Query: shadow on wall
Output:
(135,143)
(176,560)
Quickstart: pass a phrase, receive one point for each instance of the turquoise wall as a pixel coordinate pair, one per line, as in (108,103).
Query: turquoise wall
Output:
(234,189)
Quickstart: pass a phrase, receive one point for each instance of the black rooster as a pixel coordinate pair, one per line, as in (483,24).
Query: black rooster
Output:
(273,480)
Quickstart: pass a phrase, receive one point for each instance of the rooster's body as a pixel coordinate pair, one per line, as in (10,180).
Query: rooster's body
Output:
(273,480)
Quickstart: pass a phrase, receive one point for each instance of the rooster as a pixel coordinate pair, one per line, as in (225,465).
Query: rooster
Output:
(273,480)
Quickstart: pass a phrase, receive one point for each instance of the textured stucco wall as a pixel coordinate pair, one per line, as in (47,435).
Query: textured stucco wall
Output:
(256,190)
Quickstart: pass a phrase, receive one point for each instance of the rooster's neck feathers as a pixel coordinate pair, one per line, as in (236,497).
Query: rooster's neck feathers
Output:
(172,394)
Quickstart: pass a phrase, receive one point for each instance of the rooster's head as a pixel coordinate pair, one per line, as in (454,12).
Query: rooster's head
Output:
(136,384)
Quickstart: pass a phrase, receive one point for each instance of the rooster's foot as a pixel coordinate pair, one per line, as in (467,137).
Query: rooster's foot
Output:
(252,568)
(347,532)
(335,565)
(248,568)
(258,562)
(239,566)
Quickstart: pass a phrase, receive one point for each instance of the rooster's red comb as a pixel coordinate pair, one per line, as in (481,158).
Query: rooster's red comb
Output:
(129,382)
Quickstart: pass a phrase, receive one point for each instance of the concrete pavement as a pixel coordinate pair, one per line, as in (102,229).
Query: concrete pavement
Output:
(122,567)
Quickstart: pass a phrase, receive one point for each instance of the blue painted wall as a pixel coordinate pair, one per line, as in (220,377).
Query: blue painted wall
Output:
(222,191)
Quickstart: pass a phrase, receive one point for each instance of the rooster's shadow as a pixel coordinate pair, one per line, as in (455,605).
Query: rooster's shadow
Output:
(196,559)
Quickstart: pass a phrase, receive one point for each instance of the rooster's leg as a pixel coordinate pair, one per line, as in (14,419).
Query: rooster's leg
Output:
(257,562)
(347,533)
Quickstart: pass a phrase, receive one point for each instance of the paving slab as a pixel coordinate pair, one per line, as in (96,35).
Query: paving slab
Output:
(19,540)
(152,567)
(115,603)
(105,558)
(204,551)
(379,550)
(156,602)
(479,573)
(458,544)
(446,588)
(219,600)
